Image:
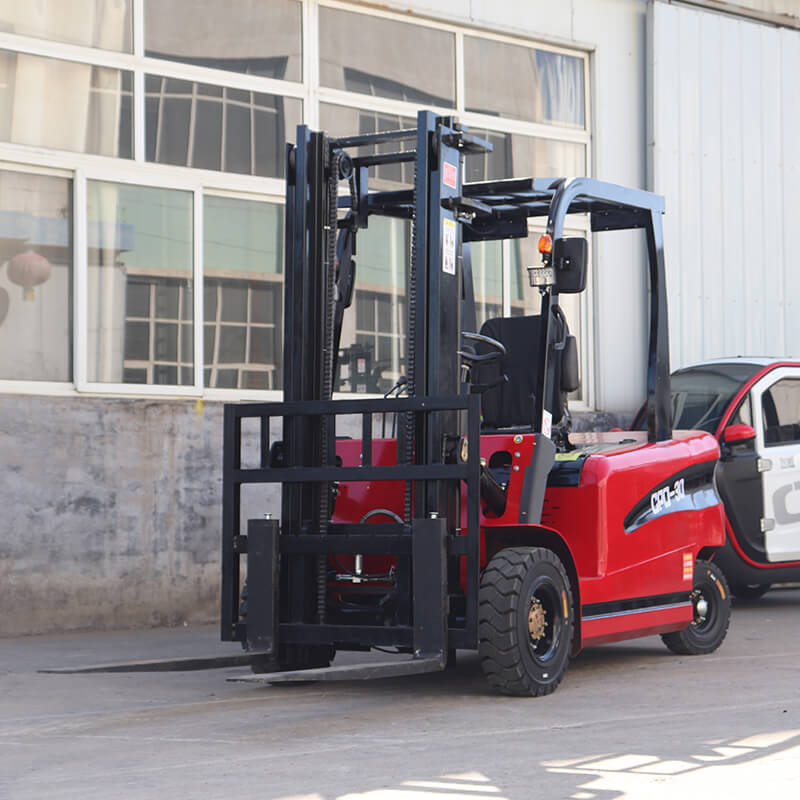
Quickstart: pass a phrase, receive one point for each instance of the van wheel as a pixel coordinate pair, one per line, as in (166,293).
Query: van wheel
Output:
(712,611)
(525,624)
(749,591)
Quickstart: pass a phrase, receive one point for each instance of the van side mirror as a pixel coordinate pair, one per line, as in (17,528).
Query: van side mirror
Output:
(733,435)
(738,434)
(570,258)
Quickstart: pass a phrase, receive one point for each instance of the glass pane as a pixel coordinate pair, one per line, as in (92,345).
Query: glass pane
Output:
(207,152)
(238,145)
(248,36)
(780,409)
(487,280)
(346,121)
(92,23)
(234,303)
(137,300)
(243,252)
(137,341)
(209,300)
(46,102)
(509,80)
(262,346)
(255,380)
(515,155)
(231,344)
(393,59)
(36,284)
(372,363)
(184,124)
(139,242)
(227,378)
(208,343)
(167,300)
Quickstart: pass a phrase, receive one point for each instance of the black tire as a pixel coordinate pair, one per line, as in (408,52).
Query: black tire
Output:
(712,612)
(749,591)
(525,624)
(290,656)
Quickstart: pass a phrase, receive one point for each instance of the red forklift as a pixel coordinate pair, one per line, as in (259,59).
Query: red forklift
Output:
(485,523)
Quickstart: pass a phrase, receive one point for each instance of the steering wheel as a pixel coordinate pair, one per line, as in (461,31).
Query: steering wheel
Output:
(472,358)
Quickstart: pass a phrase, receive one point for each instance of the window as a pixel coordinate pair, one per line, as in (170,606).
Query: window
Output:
(701,395)
(345,121)
(140,284)
(242,294)
(92,23)
(487,280)
(396,60)
(212,127)
(373,339)
(515,155)
(744,414)
(35,277)
(526,83)
(65,105)
(248,36)
(780,410)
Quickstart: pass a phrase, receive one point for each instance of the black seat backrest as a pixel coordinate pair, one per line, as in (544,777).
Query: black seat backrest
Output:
(511,404)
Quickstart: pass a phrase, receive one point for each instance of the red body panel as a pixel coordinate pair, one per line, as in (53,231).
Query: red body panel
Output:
(613,565)
(601,630)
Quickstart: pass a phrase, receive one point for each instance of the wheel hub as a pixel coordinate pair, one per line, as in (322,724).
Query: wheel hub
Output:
(700,607)
(537,621)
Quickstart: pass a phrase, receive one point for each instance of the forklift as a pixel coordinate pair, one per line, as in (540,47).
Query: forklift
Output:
(483,522)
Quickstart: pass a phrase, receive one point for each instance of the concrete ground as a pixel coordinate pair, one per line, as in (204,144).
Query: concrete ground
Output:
(629,721)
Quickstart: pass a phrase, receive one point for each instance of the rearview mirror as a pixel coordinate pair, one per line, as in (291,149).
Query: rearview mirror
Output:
(738,434)
(570,257)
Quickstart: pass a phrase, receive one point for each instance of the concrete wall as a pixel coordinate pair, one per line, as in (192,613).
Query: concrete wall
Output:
(113,513)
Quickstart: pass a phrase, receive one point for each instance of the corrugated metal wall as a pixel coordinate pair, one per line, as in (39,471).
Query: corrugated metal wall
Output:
(724,148)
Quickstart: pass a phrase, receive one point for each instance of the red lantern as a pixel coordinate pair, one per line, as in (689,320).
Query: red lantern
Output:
(27,270)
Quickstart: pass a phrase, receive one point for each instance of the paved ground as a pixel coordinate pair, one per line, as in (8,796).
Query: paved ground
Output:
(629,721)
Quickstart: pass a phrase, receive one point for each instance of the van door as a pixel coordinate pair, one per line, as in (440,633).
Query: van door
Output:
(776,411)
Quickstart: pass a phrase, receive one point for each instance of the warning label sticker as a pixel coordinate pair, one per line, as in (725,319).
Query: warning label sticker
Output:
(449,174)
(448,246)
(547,423)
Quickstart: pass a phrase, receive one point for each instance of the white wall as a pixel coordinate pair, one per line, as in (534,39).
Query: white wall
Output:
(725,113)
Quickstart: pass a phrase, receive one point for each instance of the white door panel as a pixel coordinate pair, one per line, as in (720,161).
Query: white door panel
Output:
(776,417)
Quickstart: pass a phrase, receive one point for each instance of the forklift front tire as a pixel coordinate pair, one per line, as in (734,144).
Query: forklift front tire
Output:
(712,612)
(525,624)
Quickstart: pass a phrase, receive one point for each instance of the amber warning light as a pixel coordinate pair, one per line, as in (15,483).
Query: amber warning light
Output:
(545,244)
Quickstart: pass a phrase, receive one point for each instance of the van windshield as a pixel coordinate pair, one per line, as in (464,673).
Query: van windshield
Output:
(701,395)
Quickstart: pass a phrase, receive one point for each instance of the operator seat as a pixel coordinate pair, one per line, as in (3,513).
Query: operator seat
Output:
(510,404)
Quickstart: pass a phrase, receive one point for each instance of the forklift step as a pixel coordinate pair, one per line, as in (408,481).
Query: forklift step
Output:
(350,672)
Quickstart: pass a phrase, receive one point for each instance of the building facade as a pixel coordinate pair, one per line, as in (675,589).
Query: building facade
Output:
(141,220)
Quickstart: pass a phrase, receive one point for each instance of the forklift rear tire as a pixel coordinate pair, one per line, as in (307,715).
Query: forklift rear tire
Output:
(525,624)
(712,612)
